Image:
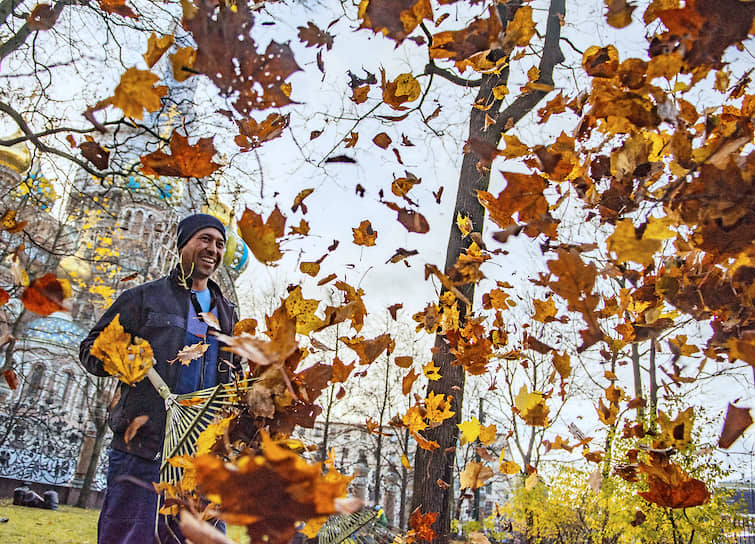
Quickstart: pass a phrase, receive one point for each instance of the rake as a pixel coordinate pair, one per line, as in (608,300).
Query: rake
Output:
(188,415)
(365,526)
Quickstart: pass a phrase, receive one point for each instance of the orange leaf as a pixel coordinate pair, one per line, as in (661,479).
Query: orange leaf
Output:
(118,7)
(156,47)
(408,381)
(364,235)
(382,140)
(341,371)
(369,350)
(262,237)
(189,161)
(136,93)
(10,378)
(421,526)
(45,295)
(133,427)
(4,296)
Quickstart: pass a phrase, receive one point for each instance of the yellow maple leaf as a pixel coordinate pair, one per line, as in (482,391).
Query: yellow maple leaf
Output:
(545,310)
(438,407)
(405,462)
(431,371)
(676,432)
(470,430)
(413,419)
(531,407)
(627,246)
(364,235)
(136,92)
(474,475)
(207,438)
(464,223)
(303,311)
(262,237)
(129,362)
(531,481)
(487,434)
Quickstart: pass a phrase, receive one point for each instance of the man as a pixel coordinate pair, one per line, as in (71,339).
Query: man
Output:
(165,312)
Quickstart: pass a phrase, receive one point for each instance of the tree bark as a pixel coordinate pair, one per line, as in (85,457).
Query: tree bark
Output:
(434,470)
(94,460)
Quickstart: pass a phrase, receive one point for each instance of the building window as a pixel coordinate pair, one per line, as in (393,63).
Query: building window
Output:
(35,381)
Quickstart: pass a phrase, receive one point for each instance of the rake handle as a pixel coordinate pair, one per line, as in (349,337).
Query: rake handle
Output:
(158,383)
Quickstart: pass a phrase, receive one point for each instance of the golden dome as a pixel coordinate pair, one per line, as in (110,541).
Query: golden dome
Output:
(16,156)
(74,267)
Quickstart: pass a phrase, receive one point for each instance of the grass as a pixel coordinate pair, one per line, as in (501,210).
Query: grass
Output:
(68,525)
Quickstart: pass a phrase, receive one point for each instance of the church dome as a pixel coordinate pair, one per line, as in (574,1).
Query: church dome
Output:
(57,328)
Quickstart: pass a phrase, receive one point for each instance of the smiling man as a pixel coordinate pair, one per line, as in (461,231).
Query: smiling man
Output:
(165,312)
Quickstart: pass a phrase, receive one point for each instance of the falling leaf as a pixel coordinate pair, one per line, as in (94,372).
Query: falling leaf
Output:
(189,161)
(118,7)
(405,88)
(96,154)
(211,434)
(182,62)
(421,526)
(42,17)
(431,371)
(46,295)
(412,221)
(364,235)
(438,407)
(262,237)
(10,378)
(403,361)
(619,13)
(669,486)
(136,424)
(408,381)
(470,430)
(464,223)
(189,353)
(10,224)
(253,134)
(210,319)
(244,487)
(382,140)
(341,371)
(156,47)
(405,462)
(299,200)
(227,54)
(5,297)
(402,254)
(136,93)
(629,245)
(351,140)
(312,36)
(531,407)
(474,475)
(488,434)
(395,19)
(126,360)
(369,350)
(359,94)
(736,422)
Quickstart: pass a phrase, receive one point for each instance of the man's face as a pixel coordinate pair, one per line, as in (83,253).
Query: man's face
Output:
(203,253)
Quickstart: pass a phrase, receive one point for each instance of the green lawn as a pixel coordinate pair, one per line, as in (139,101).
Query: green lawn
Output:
(68,525)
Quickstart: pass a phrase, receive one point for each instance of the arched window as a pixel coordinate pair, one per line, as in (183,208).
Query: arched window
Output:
(64,392)
(35,381)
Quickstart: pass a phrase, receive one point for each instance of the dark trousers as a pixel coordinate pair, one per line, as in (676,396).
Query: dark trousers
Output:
(129,510)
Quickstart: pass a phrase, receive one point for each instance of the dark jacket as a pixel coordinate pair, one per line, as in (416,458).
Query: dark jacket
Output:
(157,312)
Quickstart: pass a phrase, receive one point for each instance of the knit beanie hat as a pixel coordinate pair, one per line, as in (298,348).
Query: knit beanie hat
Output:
(192,224)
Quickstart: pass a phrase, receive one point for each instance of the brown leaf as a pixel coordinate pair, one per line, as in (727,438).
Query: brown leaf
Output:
(253,134)
(412,221)
(299,200)
(133,427)
(395,19)
(210,319)
(226,53)
(393,310)
(262,237)
(408,381)
(189,353)
(311,36)
(402,254)
(359,94)
(42,17)
(189,161)
(382,140)
(182,62)
(736,422)
(96,154)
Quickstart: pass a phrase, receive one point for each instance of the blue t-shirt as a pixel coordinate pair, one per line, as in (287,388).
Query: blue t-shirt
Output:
(200,373)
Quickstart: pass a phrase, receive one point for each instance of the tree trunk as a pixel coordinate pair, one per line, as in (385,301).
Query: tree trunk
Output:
(435,469)
(94,459)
